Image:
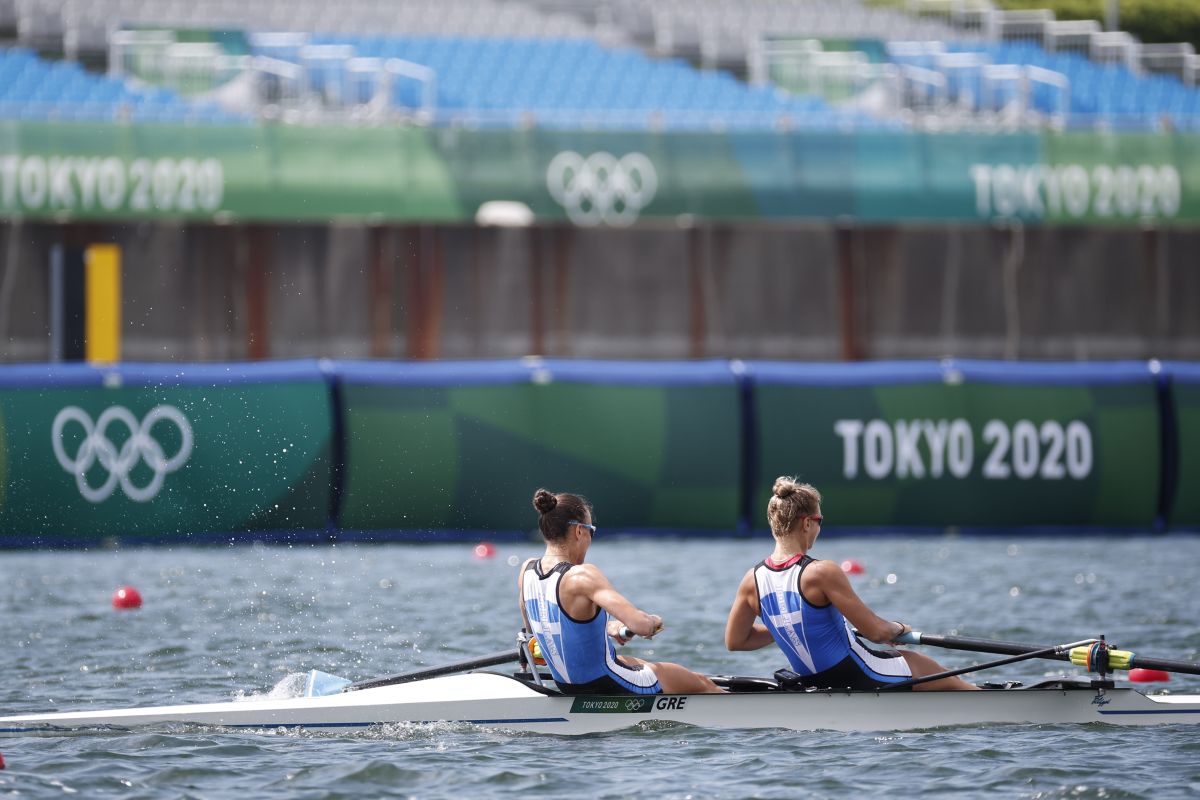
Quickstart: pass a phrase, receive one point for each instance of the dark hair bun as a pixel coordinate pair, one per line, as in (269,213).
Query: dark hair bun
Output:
(544,501)
(784,487)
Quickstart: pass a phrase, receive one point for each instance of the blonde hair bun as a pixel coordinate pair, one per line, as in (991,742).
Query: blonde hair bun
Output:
(784,487)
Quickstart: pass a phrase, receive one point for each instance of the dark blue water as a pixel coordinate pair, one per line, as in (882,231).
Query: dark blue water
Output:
(221,623)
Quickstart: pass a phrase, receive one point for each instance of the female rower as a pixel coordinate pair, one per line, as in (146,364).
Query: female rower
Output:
(575,613)
(807,607)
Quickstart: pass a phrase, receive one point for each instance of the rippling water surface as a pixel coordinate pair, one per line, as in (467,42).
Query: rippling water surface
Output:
(224,623)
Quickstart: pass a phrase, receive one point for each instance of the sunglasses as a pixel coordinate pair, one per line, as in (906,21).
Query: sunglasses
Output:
(820,519)
(591,528)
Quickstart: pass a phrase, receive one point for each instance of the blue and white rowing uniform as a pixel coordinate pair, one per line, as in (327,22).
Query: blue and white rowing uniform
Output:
(819,644)
(579,653)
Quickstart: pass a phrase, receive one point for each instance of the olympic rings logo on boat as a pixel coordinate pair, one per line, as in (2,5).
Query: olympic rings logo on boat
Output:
(602,188)
(98,448)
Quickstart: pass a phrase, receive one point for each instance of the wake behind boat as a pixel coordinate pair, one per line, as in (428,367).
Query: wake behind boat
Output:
(524,701)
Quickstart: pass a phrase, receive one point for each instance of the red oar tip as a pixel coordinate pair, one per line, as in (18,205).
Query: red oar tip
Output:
(1142,675)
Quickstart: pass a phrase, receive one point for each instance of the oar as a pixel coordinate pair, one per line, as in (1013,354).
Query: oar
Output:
(495,659)
(1045,652)
(1079,655)
(322,683)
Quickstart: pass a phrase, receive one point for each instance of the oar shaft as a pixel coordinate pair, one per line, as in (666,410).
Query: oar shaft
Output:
(1017,648)
(503,657)
(977,645)
(1166,664)
(950,673)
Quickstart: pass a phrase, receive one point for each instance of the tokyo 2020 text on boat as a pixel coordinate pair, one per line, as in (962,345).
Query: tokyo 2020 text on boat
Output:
(524,701)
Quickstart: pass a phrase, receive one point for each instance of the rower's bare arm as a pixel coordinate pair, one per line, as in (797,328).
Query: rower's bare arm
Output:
(836,588)
(742,632)
(591,582)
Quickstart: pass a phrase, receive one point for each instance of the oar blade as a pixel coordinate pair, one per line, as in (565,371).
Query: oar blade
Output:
(321,684)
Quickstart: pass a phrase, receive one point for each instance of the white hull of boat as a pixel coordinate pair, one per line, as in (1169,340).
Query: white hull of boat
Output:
(498,700)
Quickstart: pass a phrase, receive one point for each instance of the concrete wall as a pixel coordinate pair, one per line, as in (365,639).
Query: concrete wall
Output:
(805,291)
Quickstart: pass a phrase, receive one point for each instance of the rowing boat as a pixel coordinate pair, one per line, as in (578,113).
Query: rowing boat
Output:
(510,702)
(522,701)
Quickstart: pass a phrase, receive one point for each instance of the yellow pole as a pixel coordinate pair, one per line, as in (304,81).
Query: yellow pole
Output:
(102,281)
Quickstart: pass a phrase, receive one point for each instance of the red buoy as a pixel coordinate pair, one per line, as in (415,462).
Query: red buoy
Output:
(126,598)
(1,761)
(852,566)
(485,550)
(1140,675)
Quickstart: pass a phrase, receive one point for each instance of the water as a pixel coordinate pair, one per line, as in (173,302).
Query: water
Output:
(222,623)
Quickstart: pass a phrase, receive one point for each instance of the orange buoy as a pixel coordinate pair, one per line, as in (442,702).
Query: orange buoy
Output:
(1141,675)
(852,566)
(485,550)
(126,598)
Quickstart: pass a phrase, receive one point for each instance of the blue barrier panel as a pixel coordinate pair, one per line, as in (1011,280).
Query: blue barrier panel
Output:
(1182,413)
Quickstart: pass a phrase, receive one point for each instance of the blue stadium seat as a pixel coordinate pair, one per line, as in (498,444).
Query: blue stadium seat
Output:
(35,89)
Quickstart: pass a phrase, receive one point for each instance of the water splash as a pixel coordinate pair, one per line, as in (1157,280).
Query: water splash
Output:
(290,686)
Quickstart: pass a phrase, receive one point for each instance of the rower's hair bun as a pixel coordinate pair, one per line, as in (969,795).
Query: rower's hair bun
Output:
(784,488)
(544,501)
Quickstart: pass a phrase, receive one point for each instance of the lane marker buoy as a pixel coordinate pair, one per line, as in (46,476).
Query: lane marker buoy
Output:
(126,598)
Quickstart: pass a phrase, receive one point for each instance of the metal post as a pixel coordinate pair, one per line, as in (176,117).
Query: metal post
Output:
(57,333)
(537,301)
(846,240)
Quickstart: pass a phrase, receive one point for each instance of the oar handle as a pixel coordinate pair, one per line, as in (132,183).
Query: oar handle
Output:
(625,633)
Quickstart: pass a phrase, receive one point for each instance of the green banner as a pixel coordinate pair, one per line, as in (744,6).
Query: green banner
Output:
(1098,178)
(275,172)
(966,453)
(222,172)
(469,457)
(86,465)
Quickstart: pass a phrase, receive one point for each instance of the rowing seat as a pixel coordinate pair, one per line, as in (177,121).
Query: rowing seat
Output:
(743,685)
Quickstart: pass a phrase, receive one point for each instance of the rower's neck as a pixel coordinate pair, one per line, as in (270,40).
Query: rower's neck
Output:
(554,556)
(787,548)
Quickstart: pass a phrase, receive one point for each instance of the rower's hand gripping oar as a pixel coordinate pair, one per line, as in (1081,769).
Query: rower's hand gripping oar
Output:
(1081,655)
(625,635)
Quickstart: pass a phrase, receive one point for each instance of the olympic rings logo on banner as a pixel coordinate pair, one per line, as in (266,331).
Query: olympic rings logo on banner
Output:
(97,448)
(602,188)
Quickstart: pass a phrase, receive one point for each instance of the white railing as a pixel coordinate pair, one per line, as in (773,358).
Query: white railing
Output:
(290,78)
